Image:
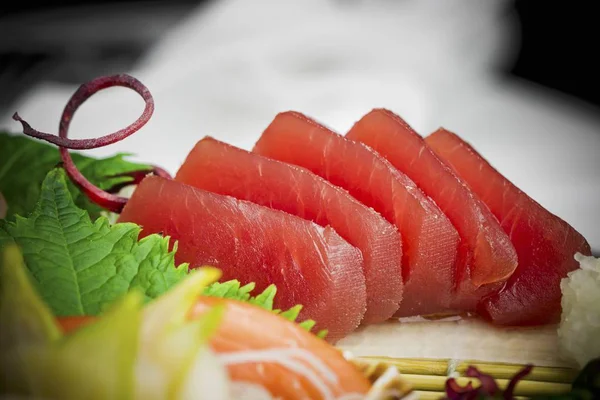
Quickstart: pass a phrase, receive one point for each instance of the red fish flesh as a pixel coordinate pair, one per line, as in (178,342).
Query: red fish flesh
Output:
(221,168)
(429,240)
(309,264)
(545,244)
(486,257)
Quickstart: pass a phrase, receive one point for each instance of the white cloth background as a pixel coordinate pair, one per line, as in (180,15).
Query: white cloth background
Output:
(229,68)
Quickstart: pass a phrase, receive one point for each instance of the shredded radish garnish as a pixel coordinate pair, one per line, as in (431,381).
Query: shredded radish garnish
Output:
(289,358)
(104,199)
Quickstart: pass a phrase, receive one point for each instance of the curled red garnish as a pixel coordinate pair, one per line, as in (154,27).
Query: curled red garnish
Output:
(508,393)
(84,92)
(488,383)
(104,199)
(488,387)
(456,392)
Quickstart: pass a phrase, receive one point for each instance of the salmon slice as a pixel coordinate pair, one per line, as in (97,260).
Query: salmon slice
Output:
(221,168)
(486,257)
(251,333)
(309,264)
(429,241)
(545,244)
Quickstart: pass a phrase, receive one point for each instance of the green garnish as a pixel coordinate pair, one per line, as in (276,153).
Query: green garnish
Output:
(96,362)
(585,387)
(25,163)
(234,290)
(128,352)
(79,266)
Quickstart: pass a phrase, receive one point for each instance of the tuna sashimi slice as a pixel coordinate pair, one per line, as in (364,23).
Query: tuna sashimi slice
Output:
(309,264)
(428,238)
(486,257)
(221,168)
(545,243)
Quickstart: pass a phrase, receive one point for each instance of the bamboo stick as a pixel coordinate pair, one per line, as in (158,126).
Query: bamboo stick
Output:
(425,395)
(497,370)
(415,366)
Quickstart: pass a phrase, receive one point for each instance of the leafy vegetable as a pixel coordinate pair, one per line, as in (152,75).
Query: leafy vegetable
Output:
(21,310)
(80,266)
(129,352)
(588,380)
(234,290)
(26,162)
(585,387)
(94,363)
(3,206)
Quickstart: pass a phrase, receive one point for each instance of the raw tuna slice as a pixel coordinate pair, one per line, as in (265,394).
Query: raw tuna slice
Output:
(545,244)
(218,167)
(486,257)
(309,264)
(429,241)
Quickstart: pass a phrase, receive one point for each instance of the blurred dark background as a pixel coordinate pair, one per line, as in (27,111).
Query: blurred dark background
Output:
(67,41)
(64,41)
(559,45)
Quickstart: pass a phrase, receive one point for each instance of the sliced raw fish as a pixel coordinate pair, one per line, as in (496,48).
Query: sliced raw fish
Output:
(429,241)
(545,244)
(221,168)
(486,257)
(309,264)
